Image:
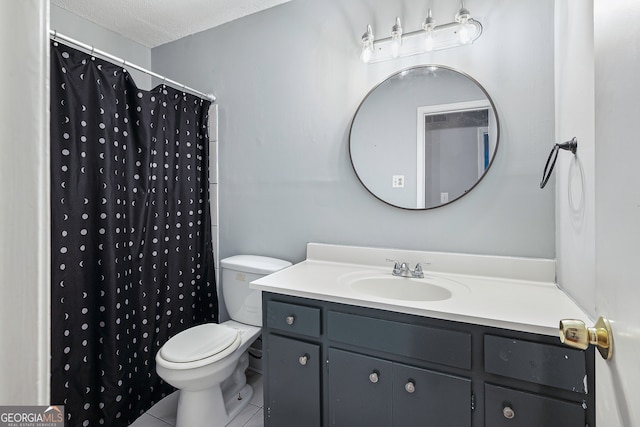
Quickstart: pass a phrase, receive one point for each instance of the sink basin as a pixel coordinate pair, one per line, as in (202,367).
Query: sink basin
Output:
(402,288)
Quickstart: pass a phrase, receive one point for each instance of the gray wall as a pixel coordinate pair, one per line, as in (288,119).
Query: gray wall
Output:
(99,37)
(576,175)
(288,81)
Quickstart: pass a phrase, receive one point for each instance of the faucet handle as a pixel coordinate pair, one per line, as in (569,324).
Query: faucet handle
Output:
(396,267)
(418,272)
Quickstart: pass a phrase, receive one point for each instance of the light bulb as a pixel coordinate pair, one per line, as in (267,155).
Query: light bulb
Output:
(395,48)
(427,26)
(367,45)
(365,56)
(396,38)
(428,42)
(464,34)
(464,31)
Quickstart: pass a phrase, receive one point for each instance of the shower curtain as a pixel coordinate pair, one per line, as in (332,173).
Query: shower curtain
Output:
(132,259)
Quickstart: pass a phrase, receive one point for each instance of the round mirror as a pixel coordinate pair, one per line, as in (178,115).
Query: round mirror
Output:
(424,137)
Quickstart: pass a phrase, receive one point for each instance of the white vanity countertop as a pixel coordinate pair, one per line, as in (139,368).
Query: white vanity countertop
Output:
(505,292)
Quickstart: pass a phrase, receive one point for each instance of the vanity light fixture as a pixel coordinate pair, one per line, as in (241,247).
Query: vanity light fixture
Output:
(464,30)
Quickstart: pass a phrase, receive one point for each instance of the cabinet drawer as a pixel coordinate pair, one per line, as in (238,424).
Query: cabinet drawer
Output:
(506,407)
(450,348)
(295,318)
(546,364)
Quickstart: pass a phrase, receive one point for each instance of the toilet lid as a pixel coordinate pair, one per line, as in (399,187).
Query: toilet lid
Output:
(199,342)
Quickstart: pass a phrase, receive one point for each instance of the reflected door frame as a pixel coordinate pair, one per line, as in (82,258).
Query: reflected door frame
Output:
(429,110)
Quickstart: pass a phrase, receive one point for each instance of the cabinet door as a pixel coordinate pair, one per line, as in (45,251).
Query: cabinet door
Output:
(359,390)
(506,407)
(428,398)
(293,395)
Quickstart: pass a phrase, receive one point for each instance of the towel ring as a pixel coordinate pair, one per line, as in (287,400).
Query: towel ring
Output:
(571,145)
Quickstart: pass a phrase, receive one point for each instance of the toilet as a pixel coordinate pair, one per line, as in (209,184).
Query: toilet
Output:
(207,362)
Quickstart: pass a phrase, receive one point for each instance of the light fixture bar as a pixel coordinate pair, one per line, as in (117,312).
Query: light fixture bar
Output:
(444,37)
(463,31)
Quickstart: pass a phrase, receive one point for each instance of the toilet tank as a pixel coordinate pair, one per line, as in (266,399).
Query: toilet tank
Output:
(244,304)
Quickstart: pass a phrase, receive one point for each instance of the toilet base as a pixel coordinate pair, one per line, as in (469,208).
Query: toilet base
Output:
(218,405)
(202,409)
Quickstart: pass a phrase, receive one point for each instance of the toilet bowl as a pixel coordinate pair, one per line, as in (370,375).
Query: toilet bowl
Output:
(213,388)
(207,363)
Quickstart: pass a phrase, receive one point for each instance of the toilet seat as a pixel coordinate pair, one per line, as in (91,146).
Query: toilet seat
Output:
(200,345)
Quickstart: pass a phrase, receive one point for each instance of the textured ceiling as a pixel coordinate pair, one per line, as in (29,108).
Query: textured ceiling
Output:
(156,22)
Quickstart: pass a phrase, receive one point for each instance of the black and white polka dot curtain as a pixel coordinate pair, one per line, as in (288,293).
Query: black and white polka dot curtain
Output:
(132,258)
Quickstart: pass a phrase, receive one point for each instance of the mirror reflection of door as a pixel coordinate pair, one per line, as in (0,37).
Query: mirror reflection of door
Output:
(453,150)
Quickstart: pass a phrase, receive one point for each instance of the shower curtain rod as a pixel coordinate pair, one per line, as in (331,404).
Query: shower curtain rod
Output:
(53,34)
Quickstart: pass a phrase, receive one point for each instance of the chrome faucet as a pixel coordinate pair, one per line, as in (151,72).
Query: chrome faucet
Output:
(403,270)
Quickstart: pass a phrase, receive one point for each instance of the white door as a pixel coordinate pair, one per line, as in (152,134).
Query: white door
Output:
(617,212)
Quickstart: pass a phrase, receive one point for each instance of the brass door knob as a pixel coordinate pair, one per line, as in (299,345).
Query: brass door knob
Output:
(575,333)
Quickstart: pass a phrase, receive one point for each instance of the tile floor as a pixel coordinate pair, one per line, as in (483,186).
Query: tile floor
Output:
(163,413)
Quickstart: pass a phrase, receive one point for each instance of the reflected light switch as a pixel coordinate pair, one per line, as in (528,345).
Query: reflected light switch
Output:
(444,197)
(397,181)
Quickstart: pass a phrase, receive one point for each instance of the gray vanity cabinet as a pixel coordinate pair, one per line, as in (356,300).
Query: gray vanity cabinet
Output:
(337,365)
